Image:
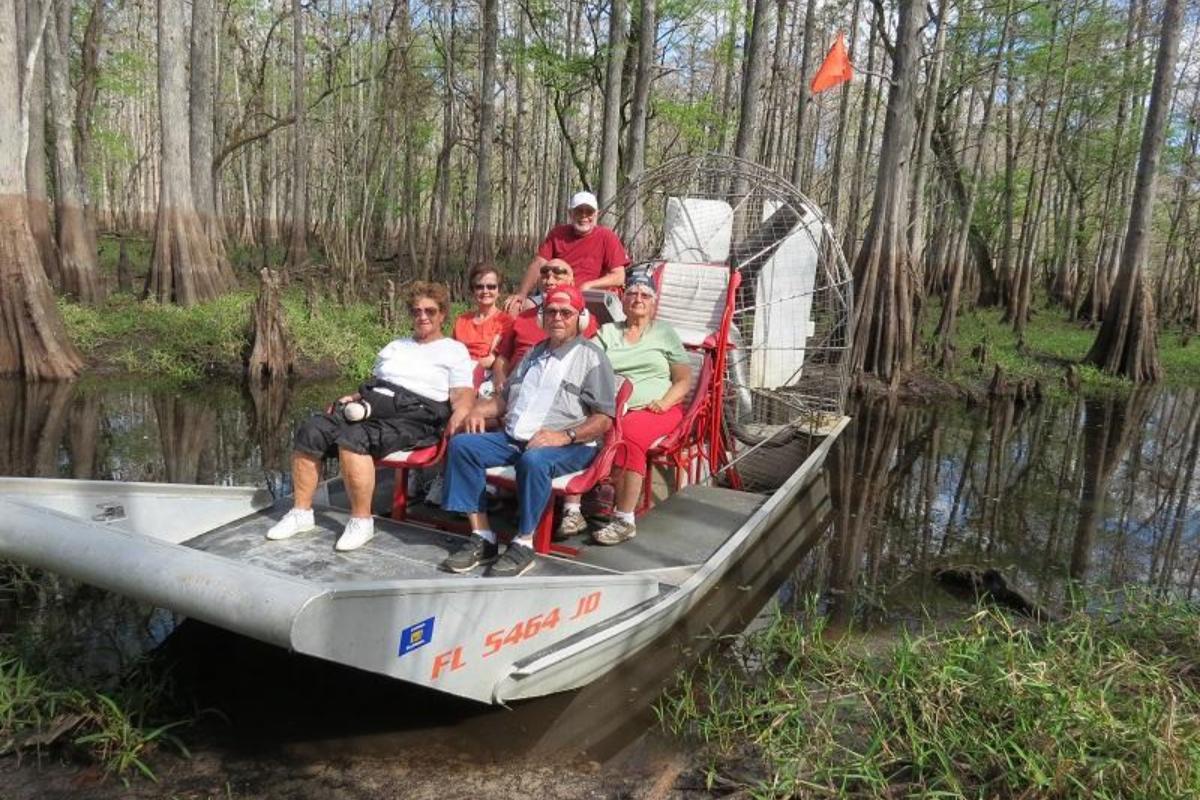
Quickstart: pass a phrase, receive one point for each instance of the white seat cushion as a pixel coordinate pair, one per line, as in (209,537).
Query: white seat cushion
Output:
(691,299)
(510,474)
(407,455)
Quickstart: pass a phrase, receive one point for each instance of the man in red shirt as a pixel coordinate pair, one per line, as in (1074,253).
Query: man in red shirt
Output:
(595,252)
(526,329)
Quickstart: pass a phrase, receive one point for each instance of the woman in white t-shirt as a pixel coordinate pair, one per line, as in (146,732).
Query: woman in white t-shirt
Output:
(420,388)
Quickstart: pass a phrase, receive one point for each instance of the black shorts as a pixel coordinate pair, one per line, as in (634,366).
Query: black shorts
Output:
(322,434)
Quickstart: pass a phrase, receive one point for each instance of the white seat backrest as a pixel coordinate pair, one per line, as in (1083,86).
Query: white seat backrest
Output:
(697,230)
(691,298)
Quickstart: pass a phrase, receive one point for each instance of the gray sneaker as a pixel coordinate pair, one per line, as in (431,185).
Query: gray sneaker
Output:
(516,560)
(470,554)
(615,532)
(571,524)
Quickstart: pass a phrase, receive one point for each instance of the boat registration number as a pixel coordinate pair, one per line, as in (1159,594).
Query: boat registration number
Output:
(520,631)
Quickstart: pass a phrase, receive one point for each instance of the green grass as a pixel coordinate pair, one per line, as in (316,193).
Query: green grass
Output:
(185,345)
(47,701)
(1051,342)
(110,728)
(1102,705)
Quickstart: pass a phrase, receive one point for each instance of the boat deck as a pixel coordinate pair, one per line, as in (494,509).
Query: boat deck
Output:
(673,538)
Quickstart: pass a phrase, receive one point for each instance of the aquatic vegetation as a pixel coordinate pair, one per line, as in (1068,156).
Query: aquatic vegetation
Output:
(47,701)
(1052,341)
(188,344)
(37,710)
(1100,705)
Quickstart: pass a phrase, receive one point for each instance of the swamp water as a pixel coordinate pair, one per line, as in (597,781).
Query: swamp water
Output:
(1065,495)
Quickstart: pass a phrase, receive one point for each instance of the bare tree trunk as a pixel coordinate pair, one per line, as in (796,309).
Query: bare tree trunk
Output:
(1095,305)
(916,212)
(610,155)
(859,171)
(271,352)
(800,155)
(89,80)
(76,237)
(839,142)
(33,341)
(184,268)
(201,111)
(639,113)
(297,255)
(36,192)
(483,248)
(1127,343)
(949,318)
(883,323)
(757,35)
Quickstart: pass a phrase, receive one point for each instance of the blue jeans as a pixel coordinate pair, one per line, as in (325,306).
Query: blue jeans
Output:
(470,454)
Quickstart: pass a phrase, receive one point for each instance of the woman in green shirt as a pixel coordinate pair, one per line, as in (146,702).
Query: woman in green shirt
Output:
(651,356)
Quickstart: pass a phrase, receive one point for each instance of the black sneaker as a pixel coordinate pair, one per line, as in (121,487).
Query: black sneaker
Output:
(470,554)
(517,560)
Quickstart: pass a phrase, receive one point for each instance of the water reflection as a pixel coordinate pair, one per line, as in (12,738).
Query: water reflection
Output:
(218,434)
(1060,495)
(1095,491)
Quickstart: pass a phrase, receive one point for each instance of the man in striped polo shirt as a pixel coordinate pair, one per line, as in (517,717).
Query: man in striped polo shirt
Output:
(557,407)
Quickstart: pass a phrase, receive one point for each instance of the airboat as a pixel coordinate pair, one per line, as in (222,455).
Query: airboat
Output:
(750,274)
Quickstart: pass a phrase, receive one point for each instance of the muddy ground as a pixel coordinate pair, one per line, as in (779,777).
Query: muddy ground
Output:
(266,723)
(363,769)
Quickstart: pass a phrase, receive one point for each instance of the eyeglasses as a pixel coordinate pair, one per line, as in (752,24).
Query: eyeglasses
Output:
(560,271)
(565,313)
(424,311)
(488,287)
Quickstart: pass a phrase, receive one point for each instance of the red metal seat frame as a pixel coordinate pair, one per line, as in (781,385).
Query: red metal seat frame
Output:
(420,458)
(699,444)
(685,449)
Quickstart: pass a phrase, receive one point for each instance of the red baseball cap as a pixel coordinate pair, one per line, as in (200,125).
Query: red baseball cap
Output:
(566,295)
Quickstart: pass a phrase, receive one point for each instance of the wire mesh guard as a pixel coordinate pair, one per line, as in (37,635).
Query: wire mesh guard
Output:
(741,255)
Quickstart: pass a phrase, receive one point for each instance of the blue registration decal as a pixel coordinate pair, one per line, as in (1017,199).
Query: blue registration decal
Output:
(415,636)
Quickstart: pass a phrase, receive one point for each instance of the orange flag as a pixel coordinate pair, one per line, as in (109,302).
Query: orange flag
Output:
(835,69)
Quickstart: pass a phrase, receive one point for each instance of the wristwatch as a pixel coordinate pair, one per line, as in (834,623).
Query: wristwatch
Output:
(571,434)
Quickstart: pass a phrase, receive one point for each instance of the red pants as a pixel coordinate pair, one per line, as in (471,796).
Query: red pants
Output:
(641,428)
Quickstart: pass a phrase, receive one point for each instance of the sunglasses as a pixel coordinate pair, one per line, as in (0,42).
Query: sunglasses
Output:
(565,313)
(560,271)
(424,311)
(489,287)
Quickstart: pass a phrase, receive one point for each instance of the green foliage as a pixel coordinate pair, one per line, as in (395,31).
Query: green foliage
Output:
(119,742)
(38,706)
(184,345)
(1095,706)
(1052,341)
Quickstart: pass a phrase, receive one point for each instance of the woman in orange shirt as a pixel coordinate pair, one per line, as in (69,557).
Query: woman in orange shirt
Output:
(481,329)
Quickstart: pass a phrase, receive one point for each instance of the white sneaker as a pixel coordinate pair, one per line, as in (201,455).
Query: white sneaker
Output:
(433,495)
(358,532)
(295,521)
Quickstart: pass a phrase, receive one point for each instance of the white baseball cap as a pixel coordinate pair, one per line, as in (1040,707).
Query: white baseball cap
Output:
(582,199)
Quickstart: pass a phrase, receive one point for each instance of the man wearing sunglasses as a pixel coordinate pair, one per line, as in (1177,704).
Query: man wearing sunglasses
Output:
(593,250)
(527,329)
(555,408)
